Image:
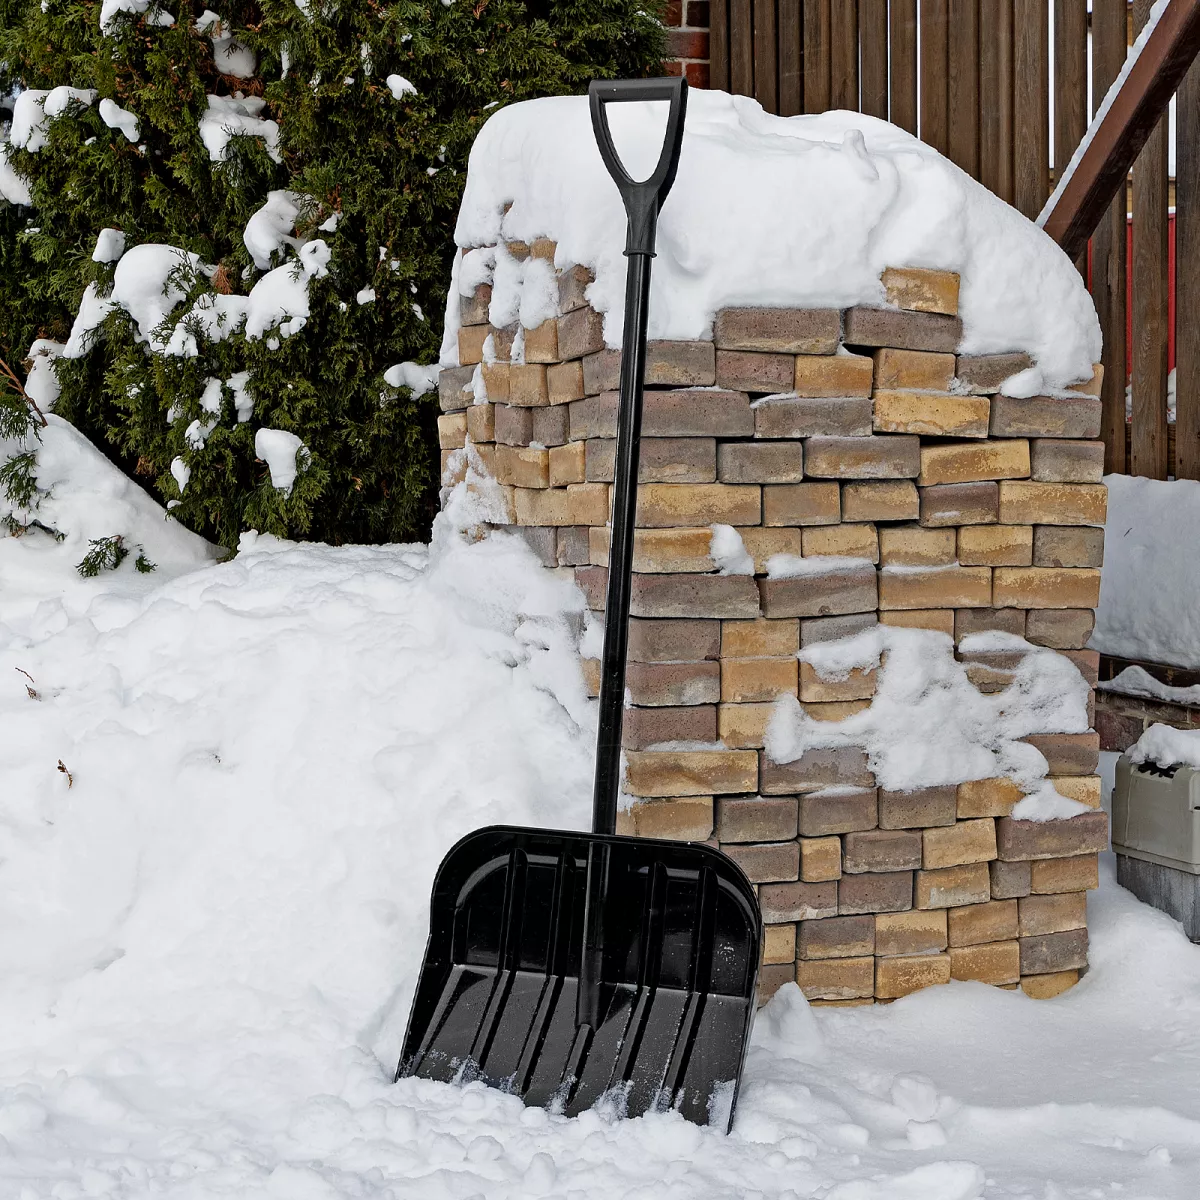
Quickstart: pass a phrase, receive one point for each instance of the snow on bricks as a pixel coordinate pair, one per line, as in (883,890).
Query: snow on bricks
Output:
(853,499)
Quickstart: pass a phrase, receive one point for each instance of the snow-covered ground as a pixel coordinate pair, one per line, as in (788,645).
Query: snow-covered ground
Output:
(224,788)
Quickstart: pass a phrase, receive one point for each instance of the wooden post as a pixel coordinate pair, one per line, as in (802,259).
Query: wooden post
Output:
(1070,85)
(873,63)
(791,59)
(816,56)
(996,97)
(934,50)
(766,56)
(1187,277)
(902,82)
(1031,98)
(843,55)
(741,47)
(962,86)
(718,44)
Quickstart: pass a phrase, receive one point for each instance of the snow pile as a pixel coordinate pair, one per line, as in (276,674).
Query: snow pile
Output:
(280,450)
(1151,575)
(728,552)
(228,116)
(110,245)
(270,228)
(929,725)
(13,187)
(1165,746)
(116,117)
(41,384)
(801,211)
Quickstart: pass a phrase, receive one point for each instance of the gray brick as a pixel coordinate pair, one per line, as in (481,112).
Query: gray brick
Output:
(1060,628)
(451,382)
(782,902)
(572,284)
(829,629)
(580,332)
(746,371)
(902,329)
(779,330)
(662,460)
(551,425)
(960,504)
(1068,546)
(875,893)
(761,462)
(837,810)
(919,809)
(644,727)
(755,818)
(984,373)
(879,456)
(1052,952)
(680,640)
(674,413)
(1066,460)
(881,850)
(514,425)
(1046,416)
(812,416)
(829,593)
(574,547)
(816,769)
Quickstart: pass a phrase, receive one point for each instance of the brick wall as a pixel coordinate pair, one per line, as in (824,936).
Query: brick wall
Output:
(687,40)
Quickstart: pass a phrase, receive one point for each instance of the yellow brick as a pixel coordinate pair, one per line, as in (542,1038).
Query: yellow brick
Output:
(820,859)
(1045,587)
(935,414)
(496,382)
(779,943)
(1046,987)
(685,819)
(940,620)
(481,423)
(880,500)
(972,841)
(959,463)
(913,369)
(844,541)
(833,375)
(564,382)
(452,431)
(470,343)
(988,797)
(454,467)
(743,726)
(657,551)
(949,887)
(567,463)
(995,545)
(841,1003)
(541,343)
(836,978)
(591,675)
(922,289)
(663,505)
(993,962)
(1092,386)
(837,710)
(756,680)
(858,685)
(901,976)
(518,250)
(522,466)
(938,587)
(690,772)
(916,546)
(801,504)
(1023,501)
(1084,788)
(587,503)
(542,506)
(760,638)
(762,542)
(527,385)
(975,924)
(545,248)
(914,932)
(1078,873)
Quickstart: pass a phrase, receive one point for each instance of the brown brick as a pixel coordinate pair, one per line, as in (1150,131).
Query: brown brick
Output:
(902,976)
(993,962)
(601,372)
(778,330)
(564,382)
(1046,987)
(743,726)
(452,430)
(988,798)
(881,850)
(1023,501)
(541,343)
(858,685)
(948,887)
(971,841)
(901,329)
(769,862)
(473,309)
(837,937)
(805,416)
(959,463)
(1068,753)
(454,388)
(567,463)
(909,933)
(763,542)
(828,593)
(815,769)
(1067,546)
(1082,834)
(797,901)
(940,620)
(937,587)
(680,364)
(1046,416)
(760,462)
(835,810)
(887,500)
(913,370)
(974,924)
(1066,461)
(1086,662)
(1045,587)
(572,284)
(986,372)
(671,505)
(580,332)
(690,772)
(683,819)
(1010,880)
(645,727)
(674,641)
(801,504)
(1042,914)
(1076,873)
(746,371)
(982,620)
(670,684)
(833,375)
(771,977)
(820,858)
(814,630)
(756,818)
(1063,629)
(513,426)
(922,289)
(523,467)
(878,456)
(916,546)
(960,504)
(659,551)
(779,944)
(757,680)
(876,892)
(1053,952)
(834,710)
(918,809)
(662,460)
(759,639)
(995,545)
(470,343)
(836,978)
(552,425)
(841,541)
(935,414)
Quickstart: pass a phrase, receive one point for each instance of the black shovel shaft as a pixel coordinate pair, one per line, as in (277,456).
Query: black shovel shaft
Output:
(642,203)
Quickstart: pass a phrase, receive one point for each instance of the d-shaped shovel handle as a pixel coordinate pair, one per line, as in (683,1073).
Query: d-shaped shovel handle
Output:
(644,199)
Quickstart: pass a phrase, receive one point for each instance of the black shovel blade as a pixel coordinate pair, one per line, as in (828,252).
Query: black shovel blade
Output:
(570,968)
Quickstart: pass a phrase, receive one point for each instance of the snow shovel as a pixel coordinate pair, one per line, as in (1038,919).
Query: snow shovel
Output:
(574,968)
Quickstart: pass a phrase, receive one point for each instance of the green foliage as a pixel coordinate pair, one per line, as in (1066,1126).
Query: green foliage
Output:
(104,554)
(390,172)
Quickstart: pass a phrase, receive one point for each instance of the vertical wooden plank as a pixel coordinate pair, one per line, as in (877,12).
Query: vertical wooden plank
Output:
(791,69)
(873,57)
(1187,276)
(816,56)
(1108,244)
(934,49)
(741,47)
(1031,100)
(902,75)
(843,55)
(718,44)
(766,56)
(1148,443)
(1070,85)
(962,86)
(996,97)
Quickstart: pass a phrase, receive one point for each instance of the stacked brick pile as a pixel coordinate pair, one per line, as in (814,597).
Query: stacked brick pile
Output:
(858,434)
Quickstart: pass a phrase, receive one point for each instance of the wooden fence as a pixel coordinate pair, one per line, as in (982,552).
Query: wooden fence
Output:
(979,80)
